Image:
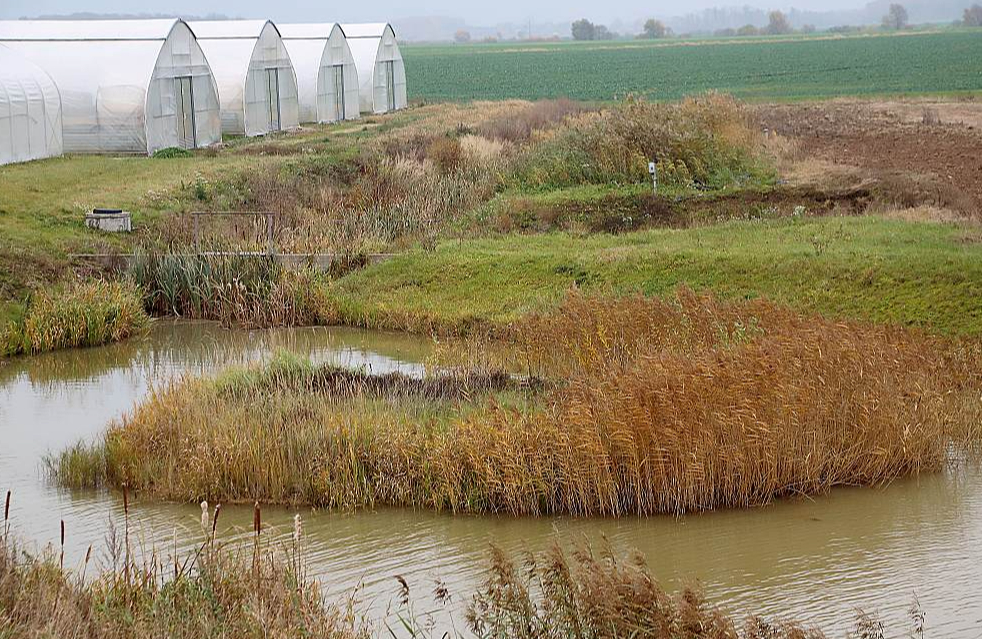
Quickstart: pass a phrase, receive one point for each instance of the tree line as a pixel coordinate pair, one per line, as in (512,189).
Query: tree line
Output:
(897,18)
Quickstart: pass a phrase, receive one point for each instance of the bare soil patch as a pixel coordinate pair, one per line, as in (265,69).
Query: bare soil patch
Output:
(918,151)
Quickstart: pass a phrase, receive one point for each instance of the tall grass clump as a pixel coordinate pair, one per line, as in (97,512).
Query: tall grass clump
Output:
(650,406)
(590,594)
(217,591)
(706,142)
(237,290)
(78,315)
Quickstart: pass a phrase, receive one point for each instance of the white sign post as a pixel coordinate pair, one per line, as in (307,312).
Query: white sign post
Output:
(653,170)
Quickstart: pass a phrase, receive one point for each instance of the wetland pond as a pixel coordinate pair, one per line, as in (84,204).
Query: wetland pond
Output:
(818,561)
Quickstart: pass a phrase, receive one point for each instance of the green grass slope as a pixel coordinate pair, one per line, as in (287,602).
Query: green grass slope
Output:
(913,274)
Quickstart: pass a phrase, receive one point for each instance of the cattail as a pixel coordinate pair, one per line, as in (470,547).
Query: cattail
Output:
(204,516)
(6,516)
(214,522)
(62,559)
(85,564)
(257,520)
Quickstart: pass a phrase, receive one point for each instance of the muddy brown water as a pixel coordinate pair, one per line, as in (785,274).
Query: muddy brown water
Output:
(818,560)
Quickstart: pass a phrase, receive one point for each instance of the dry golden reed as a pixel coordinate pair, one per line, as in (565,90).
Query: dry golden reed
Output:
(587,594)
(652,407)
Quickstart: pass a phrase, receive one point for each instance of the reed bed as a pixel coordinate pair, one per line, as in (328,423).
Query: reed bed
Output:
(80,315)
(237,290)
(650,407)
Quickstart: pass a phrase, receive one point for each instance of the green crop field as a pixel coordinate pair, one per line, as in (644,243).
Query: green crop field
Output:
(947,62)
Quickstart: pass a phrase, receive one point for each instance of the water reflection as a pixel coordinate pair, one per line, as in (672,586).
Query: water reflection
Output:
(819,559)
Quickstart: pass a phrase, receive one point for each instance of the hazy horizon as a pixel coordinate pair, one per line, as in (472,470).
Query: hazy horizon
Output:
(483,14)
(436,20)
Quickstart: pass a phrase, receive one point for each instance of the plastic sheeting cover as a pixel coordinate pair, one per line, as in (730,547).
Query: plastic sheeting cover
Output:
(380,67)
(30,111)
(127,86)
(322,60)
(257,84)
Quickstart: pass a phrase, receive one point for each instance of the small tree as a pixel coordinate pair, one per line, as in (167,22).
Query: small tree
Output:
(778,24)
(896,18)
(601,32)
(655,29)
(584,30)
(748,30)
(973,16)
(462,36)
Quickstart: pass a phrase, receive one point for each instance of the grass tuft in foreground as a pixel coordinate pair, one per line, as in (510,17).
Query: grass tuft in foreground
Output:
(80,315)
(218,591)
(650,406)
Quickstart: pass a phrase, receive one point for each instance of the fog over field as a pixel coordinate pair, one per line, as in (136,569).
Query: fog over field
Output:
(438,19)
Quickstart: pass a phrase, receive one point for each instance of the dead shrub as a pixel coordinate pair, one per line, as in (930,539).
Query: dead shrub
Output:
(519,126)
(446,153)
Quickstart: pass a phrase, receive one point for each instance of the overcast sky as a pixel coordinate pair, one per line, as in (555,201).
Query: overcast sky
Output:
(488,12)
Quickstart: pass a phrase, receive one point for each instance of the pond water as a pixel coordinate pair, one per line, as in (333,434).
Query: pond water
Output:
(818,560)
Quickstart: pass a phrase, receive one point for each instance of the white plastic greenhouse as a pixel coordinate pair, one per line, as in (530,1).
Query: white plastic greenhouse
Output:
(380,68)
(127,86)
(30,111)
(257,84)
(326,72)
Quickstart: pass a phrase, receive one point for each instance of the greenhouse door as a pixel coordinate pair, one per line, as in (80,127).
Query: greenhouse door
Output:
(390,85)
(339,110)
(186,136)
(273,93)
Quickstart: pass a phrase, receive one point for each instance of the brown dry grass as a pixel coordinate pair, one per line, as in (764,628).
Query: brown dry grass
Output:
(654,407)
(588,594)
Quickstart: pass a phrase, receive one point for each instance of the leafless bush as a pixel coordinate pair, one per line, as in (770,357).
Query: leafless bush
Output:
(519,126)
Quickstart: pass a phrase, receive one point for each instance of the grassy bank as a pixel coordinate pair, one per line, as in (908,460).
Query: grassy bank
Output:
(79,315)
(650,407)
(887,271)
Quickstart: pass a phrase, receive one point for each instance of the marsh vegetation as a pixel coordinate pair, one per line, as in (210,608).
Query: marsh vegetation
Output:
(647,407)
(261,589)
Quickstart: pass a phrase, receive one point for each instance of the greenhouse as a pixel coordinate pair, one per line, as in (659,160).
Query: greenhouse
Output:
(257,84)
(326,72)
(381,71)
(30,111)
(127,86)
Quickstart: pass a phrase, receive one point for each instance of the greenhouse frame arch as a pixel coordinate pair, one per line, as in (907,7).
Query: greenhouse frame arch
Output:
(326,72)
(30,111)
(381,70)
(127,86)
(257,84)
